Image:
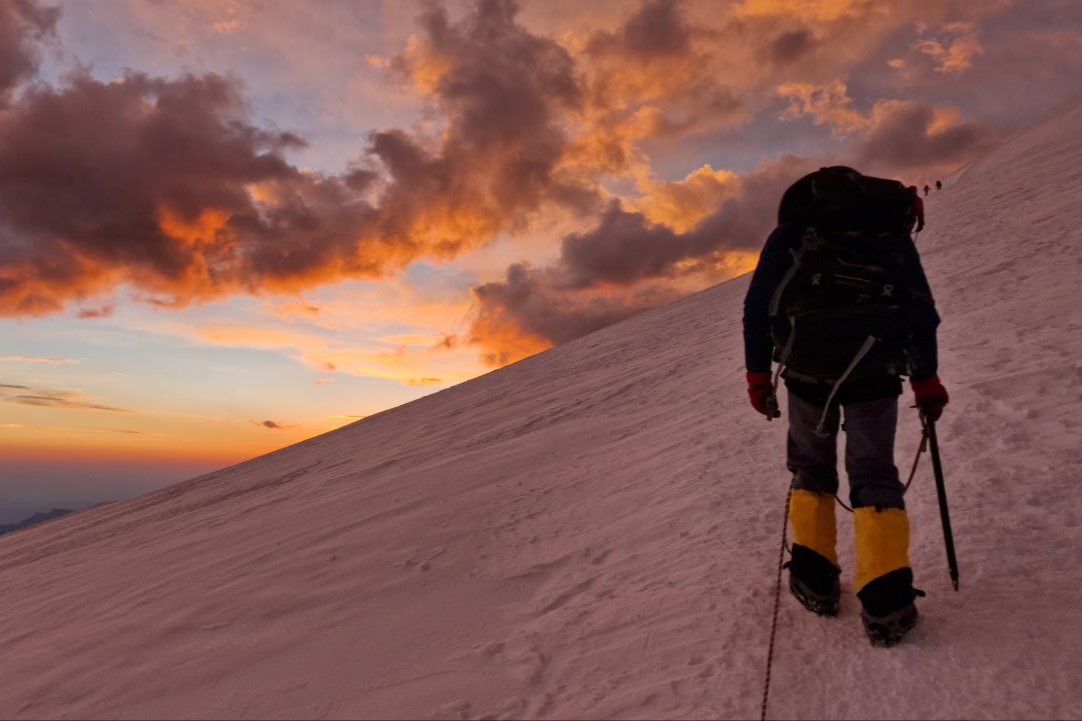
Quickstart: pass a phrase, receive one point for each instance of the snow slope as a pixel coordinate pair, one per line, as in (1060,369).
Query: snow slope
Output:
(593,532)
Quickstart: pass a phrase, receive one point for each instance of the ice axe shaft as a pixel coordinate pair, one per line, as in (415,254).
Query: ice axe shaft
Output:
(941,491)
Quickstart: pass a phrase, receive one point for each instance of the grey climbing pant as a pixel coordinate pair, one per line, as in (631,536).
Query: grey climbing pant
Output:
(869,450)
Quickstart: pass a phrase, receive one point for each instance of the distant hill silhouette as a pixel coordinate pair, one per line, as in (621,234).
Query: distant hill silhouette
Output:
(34,520)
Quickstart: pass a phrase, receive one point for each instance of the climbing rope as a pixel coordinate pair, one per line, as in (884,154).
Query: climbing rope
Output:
(777,602)
(785,547)
(781,557)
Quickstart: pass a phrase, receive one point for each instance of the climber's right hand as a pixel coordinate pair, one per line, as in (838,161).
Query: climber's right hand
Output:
(931,396)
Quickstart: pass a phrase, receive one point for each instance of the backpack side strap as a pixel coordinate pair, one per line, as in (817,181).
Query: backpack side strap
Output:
(867,346)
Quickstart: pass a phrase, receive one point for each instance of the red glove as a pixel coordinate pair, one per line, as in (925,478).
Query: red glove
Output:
(761,394)
(931,396)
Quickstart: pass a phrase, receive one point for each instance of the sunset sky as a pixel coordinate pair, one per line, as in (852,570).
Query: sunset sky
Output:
(229,226)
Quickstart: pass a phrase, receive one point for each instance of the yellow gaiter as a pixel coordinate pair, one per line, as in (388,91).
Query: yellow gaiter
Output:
(814,527)
(882,541)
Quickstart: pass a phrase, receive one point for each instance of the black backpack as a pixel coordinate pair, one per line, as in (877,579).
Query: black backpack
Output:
(841,311)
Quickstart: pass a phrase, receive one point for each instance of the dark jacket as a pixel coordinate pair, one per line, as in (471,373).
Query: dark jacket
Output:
(774,261)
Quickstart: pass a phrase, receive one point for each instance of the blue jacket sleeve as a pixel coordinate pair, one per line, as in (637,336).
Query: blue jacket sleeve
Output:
(774,260)
(923,319)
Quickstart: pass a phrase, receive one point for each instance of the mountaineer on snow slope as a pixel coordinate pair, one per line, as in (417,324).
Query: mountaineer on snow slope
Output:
(840,301)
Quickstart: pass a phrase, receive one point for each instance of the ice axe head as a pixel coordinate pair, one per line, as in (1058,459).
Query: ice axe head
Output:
(772,407)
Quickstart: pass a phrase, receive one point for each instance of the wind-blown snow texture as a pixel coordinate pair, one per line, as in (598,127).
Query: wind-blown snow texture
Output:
(593,532)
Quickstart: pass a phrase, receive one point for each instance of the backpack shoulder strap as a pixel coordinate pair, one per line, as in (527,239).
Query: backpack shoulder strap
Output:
(797,252)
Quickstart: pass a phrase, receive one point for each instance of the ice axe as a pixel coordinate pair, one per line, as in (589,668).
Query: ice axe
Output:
(772,410)
(941,491)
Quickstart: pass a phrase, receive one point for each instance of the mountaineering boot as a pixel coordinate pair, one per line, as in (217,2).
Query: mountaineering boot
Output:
(884,577)
(813,567)
(888,630)
(813,580)
(885,621)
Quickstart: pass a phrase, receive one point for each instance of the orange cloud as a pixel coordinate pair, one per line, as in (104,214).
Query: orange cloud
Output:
(943,119)
(682,204)
(408,365)
(427,354)
(955,49)
(45,285)
(430,313)
(733,263)
(204,230)
(500,335)
(822,10)
(828,104)
(423,64)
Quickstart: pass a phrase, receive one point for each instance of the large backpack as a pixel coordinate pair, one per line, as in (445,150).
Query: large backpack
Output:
(841,311)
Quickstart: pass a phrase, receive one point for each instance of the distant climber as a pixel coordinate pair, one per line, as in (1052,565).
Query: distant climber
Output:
(918,209)
(839,299)
(926,189)
(938,185)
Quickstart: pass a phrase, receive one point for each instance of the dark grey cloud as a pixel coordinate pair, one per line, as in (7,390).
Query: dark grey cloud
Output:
(622,248)
(149,181)
(1030,61)
(534,305)
(100,311)
(45,398)
(23,24)
(791,46)
(904,138)
(52,398)
(656,29)
(625,247)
